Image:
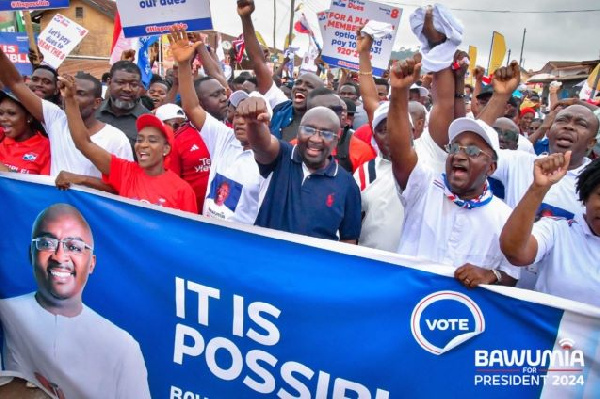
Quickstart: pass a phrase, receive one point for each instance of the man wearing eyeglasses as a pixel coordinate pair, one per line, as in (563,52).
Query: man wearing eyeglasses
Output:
(451,218)
(50,336)
(307,192)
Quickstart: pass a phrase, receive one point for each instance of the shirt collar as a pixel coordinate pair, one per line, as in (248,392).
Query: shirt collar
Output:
(579,219)
(330,170)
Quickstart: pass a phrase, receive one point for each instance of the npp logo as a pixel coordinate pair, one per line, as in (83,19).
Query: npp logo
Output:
(445,319)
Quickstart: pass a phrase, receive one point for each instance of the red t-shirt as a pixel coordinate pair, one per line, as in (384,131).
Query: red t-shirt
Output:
(190,159)
(364,133)
(31,156)
(167,190)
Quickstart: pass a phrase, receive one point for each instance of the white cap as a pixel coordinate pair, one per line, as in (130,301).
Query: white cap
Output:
(380,114)
(169,111)
(422,91)
(476,126)
(237,97)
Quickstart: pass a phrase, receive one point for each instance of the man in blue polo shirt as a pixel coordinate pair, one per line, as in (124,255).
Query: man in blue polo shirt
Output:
(306,191)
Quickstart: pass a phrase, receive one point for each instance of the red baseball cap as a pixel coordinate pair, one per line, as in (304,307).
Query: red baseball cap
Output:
(150,120)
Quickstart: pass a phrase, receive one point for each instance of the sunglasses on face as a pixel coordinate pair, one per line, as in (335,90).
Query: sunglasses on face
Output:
(308,131)
(472,151)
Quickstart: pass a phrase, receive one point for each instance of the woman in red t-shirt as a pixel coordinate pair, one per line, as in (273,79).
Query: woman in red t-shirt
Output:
(147,180)
(22,148)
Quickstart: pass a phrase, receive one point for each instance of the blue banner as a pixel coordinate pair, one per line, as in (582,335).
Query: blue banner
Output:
(229,311)
(16,47)
(27,5)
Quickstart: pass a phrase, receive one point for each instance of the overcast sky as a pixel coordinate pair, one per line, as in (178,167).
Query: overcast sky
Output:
(550,37)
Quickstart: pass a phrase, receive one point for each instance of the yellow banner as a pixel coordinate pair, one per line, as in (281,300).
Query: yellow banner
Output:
(473,63)
(593,76)
(498,52)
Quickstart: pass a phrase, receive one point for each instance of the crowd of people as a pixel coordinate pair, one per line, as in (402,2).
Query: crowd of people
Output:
(479,178)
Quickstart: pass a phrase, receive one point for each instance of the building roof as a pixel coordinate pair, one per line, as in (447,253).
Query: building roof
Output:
(106,7)
(94,67)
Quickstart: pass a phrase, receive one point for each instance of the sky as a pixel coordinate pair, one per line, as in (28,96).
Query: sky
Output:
(549,37)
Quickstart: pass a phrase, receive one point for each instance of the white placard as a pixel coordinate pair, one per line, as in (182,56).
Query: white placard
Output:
(59,38)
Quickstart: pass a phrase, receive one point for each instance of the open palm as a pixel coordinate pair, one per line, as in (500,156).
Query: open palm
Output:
(181,47)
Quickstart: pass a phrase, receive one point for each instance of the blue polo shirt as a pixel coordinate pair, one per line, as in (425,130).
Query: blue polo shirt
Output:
(323,204)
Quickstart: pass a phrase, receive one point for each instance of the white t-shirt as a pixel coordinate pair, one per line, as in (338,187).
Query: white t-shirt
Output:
(275,96)
(436,229)
(87,356)
(569,259)
(384,213)
(515,171)
(234,166)
(65,156)
(523,144)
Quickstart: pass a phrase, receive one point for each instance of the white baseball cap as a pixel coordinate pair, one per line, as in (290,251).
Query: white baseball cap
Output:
(476,126)
(169,111)
(422,91)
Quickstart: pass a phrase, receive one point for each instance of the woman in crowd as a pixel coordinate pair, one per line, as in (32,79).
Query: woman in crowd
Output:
(23,149)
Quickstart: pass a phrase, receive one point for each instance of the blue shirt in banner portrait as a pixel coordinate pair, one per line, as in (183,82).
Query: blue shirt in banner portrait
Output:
(155,17)
(25,5)
(16,47)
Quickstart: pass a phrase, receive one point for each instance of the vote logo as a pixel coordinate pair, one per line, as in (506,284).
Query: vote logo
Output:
(445,319)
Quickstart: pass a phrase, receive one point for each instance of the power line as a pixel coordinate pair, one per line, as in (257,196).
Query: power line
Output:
(503,11)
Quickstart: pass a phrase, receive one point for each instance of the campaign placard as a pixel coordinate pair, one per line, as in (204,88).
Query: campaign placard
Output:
(343,20)
(12,5)
(16,47)
(59,38)
(155,17)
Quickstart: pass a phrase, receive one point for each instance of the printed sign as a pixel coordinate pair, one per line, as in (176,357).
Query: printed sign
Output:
(217,310)
(155,17)
(16,47)
(339,37)
(23,5)
(59,38)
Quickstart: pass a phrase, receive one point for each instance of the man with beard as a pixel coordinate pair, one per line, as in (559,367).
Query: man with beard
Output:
(287,114)
(122,106)
(64,155)
(451,218)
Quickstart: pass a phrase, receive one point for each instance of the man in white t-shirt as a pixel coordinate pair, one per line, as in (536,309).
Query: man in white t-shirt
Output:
(566,251)
(51,337)
(232,160)
(64,155)
(452,219)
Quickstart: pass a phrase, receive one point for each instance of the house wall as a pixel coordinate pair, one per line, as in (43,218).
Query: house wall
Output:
(98,41)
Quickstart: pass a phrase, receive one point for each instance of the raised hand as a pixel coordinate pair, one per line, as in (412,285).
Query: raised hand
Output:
(363,43)
(507,79)
(431,34)
(35,57)
(245,8)
(550,169)
(66,85)
(461,59)
(181,47)
(254,111)
(128,55)
(404,74)
(479,73)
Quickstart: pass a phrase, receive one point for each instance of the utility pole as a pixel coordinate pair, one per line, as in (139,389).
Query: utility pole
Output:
(274,24)
(522,45)
(508,59)
(292,8)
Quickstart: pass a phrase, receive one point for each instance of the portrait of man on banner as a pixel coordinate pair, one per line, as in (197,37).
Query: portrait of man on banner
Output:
(51,337)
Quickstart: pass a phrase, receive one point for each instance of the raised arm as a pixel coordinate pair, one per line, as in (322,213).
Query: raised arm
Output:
(442,113)
(263,143)
(183,51)
(516,241)
(368,90)
(172,94)
(505,81)
(211,67)
(403,155)
(12,79)
(462,59)
(80,134)
(478,74)
(263,73)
